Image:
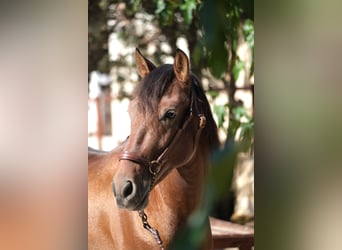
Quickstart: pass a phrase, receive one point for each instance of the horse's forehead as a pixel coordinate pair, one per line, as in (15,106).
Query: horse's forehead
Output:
(174,93)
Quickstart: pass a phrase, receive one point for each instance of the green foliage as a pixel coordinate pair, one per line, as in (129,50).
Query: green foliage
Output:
(221,113)
(248,32)
(237,67)
(135,5)
(217,20)
(246,127)
(97,36)
(165,11)
(213,93)
(212,19)
(239,120)
(188,8)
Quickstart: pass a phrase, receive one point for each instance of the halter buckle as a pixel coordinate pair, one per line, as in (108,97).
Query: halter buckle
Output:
(202,121)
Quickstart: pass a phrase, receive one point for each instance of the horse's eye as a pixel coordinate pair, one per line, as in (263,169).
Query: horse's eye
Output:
(170,114)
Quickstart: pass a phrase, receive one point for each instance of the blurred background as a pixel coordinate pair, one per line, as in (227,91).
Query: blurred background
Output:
(43,125)
(217,36)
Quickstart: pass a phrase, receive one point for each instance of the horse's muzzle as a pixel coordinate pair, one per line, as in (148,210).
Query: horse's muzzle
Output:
(127,196)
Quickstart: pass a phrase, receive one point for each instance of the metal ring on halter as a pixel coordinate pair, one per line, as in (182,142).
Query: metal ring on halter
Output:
(154,164)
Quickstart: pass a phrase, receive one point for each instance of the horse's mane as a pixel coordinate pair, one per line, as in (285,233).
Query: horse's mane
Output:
(210,130)
(152,88)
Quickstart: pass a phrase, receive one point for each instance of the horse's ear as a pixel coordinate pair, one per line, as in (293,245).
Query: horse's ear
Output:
(181,66)
(144,66)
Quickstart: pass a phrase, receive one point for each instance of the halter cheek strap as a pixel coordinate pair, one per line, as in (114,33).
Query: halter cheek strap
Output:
(202,122)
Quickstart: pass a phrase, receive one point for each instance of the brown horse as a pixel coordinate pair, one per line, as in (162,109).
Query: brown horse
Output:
(160,169)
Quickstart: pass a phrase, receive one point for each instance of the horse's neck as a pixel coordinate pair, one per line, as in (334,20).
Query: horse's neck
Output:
(180,193)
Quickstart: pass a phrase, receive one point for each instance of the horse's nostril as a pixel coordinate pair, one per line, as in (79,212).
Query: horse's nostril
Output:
(127,190)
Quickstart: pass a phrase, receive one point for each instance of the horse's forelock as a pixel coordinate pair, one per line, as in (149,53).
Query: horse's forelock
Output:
(151,89)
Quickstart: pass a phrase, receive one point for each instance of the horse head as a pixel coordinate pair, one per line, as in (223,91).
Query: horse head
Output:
(165,130)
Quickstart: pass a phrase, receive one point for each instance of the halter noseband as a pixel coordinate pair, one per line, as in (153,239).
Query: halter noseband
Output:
(154,166)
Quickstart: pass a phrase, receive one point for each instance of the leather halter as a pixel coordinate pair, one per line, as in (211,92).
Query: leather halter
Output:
(154,166)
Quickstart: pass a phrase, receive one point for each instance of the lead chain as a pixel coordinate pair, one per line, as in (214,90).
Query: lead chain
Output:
(152,230)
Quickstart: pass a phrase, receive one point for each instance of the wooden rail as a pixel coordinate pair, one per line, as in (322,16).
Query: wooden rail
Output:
(227,234)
